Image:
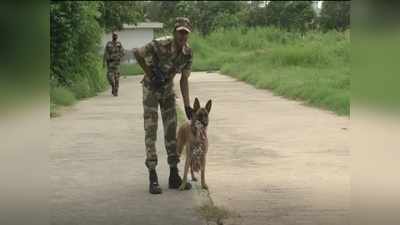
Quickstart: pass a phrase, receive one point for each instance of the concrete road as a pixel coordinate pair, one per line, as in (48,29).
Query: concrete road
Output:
(271,160)
(97,166)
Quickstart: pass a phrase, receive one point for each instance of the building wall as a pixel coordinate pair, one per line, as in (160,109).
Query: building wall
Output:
(131,38)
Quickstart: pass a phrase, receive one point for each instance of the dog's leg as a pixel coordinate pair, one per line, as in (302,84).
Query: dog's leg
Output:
(186,170)
(192,173)
(203,174)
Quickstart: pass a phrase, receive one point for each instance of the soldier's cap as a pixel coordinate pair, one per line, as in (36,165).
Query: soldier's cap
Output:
(183,23)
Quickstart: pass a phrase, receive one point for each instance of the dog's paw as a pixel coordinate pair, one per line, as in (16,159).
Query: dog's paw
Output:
(204,186)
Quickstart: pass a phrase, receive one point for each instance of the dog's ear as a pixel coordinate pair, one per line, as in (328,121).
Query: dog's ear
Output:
(208,106)
(196,105)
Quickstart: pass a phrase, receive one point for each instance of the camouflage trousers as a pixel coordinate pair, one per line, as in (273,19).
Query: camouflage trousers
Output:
(165,98)
(113,76)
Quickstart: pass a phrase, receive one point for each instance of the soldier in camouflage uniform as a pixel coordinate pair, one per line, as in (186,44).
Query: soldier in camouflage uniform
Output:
(161,59)
(113,53)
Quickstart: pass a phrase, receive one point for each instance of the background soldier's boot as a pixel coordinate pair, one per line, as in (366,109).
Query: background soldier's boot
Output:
(116,86)
(112,90)
(175,180)
(154,187)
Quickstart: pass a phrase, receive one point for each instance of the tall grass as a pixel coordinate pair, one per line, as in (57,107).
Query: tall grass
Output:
(88,83)
(313,68)
(62,96)
(130,69)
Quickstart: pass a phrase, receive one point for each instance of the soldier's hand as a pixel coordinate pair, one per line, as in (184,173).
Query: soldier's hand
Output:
(189,112)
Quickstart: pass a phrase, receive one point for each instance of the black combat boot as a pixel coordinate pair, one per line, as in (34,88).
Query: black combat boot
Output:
(154,188)
(116,86)
(113,90)
(175,180)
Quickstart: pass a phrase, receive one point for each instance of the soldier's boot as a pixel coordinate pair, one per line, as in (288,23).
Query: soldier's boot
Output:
(112,90)
(115,92)
(175,180)
(116,85)
(111,82)
(154,187)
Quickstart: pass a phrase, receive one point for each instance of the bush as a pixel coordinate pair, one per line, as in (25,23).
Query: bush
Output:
(62,96)
(81,89)
(74,51)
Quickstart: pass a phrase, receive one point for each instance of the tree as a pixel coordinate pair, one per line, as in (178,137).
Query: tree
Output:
(210,15)
(274,13)
(253,14)
(115,13)
(298,15)
(74,45)
(335,15)
(291,15)
(204,15)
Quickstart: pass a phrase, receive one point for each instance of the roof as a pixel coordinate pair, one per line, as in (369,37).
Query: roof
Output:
(143,25)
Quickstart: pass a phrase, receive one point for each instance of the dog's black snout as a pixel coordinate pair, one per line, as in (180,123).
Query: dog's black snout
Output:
(204,122)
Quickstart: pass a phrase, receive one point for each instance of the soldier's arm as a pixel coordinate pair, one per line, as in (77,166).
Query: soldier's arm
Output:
(184,84)
(140,55)
(122,51)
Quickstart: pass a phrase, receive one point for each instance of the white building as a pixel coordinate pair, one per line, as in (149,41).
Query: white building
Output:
(133,36)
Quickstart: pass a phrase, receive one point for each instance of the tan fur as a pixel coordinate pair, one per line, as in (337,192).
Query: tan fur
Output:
(185,138)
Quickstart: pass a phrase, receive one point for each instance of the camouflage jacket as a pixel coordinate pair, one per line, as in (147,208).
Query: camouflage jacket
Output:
(113,52)
(164,52)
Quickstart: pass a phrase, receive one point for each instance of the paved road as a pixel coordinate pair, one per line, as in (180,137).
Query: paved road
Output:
(97,166)
(271,160)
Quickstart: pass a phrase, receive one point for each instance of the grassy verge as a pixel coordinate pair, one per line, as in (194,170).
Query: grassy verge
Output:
(213,213)
(314,68)
(95,82)
(60,96)
(180,114)
(130,69)
(81,88)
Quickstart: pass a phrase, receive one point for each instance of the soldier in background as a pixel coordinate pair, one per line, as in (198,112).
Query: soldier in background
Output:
(161,59)
(113,54)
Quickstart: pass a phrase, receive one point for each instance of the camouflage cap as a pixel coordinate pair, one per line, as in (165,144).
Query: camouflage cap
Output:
(183,23)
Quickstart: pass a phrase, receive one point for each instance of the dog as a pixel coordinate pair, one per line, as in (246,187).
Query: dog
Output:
(192,135)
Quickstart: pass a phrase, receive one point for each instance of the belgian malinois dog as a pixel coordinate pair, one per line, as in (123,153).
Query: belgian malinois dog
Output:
(193,136)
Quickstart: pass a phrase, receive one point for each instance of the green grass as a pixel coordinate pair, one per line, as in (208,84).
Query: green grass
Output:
(62,96)
(87,83)
(180,114)
(314,68)
(130,69)
(213,213)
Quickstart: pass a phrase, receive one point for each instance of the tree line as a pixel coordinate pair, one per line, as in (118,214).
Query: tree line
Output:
(77,27)
(208,16)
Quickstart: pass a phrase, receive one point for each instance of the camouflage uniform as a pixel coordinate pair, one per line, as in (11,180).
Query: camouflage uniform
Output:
(171,61)
(113,53)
